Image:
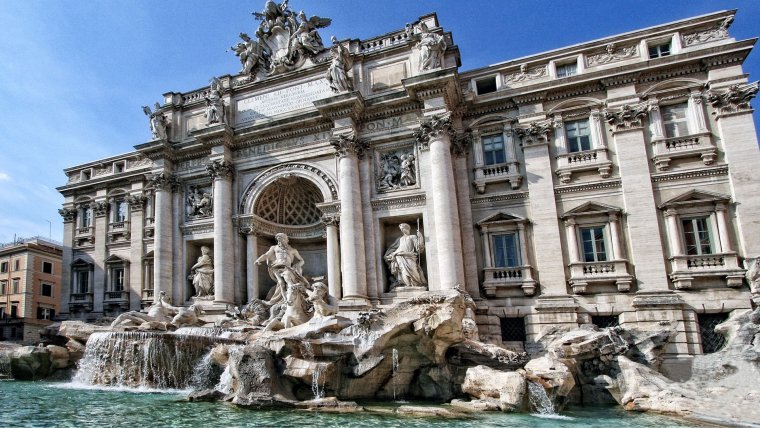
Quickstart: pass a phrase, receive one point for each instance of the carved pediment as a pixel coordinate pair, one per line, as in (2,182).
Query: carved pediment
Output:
(81,263)
(501,218)
(693,197)
(591,208)
(114,259)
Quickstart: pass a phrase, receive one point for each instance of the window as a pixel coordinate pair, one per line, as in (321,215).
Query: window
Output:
(696,235)
(83,281)
(674,120)
(14,310)
(493,149)
(485,86)
(117,279)
(513,330)
(16,282)
(17,265)
(46,290)
(45,313)
(604,321)
(86,218)
(47,267)
(506,251)
(659,50)
(86,175)
(593,244)
(119,211)
(567,70)
(3,267)
(578,136)
(712,341)
(3,314)
(118,167)
(3,287)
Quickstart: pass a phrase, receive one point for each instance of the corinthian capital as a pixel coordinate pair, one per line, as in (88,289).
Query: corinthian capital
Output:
(629,117)
(68,214)
(436,126)
(535,133)
(100,208)
(220,169)
(734,99)
(136,202)
(164,181)
(461,144)
(349,145)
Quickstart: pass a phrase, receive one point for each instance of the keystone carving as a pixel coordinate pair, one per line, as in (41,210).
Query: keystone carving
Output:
(735,98)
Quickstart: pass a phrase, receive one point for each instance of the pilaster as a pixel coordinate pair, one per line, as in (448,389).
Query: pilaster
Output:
(69,215)
(137,205)
(460,149)
(100,212)
(164,184)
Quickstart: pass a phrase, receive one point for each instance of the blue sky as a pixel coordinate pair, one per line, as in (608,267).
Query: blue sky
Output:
(73,74)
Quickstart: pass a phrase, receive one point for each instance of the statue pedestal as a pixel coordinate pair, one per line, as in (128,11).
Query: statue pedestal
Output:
(212,311)
(399,294)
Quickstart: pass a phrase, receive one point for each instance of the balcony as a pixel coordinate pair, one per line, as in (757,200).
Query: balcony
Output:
(146,298)
(499,281)
(667,149)
(498,173)
(686,268)
(587,160)
(117,298)
(150,227)
(583,274)
(81,300)
(118,231)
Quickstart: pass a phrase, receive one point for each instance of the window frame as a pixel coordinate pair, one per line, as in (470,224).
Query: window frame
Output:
(605,241)
(85,216)
(563,67)
(685,120)
(4,266)
(15,286)
(489,136)
(44,263)
(657,45)
(120,206)
(42,289)
(708,230)
(515,247)
(569,140)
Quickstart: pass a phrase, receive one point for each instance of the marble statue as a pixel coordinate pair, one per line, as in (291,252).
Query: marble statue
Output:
(199,203)
(282,258)
(187,317)
(391,170)
(325,305)
(159,311)
(753,277)
(295,304)
(407,170)
(403,259)
(158,122)
(431,46)
(202,275)
(215,104)
(306,37)
(251,54)
(337,74)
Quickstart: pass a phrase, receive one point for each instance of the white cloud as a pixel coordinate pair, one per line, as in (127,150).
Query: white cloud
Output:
(4,177)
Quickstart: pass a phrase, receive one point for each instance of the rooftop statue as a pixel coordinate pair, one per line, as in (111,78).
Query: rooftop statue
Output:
(338,73)
(431,46)
(158,123)
(215,104)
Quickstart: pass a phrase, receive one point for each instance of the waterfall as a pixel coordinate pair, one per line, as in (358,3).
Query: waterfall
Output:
(394,368)
(539,400)
(318,393)
(145,360)
(204,331)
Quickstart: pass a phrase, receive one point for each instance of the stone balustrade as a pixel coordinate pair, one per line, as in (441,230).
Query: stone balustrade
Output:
(117,296)
(698,145)
(584,273)
(498,281)
(507,171)
(587,160)
(118,229)
(686,268)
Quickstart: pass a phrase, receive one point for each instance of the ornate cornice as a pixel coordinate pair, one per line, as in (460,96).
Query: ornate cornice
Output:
(609,184)
(220,169)
(434,127)
(164,181)
(710,35)
(349,145)
(498,197)
(628,118)
(734,99)
(100,209)
(612,54)
(535,133)
(694,173)
(399,202)
(68,214)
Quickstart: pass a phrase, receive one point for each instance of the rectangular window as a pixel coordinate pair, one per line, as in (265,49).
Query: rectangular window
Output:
(83,282)
(659,50)
(46,290)
(485,86)
(567,70)
(578,136)
(513,330)
(118,167)
(16,285)
(3,287)
(117,281)
(604,321)
(86,175)
(674,120)
(3,267)
(712,341)
(17,265)
(86,220)
(14,310)
(697,236)
(119,211)
(45,313)
(493,149)
(47,267)
(3,315)
(505,250)
(594,249)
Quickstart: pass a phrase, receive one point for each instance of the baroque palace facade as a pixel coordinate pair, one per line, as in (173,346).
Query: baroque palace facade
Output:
(611,182)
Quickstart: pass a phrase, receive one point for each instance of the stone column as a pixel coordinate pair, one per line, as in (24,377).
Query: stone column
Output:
(572,240)
(435,134)
(252,285)
(655,121)
(697,122)
(617,243)
(597,130)
(674,232)
(333,255)
(352,251)
(723,235)
(69,225)
(642,214)
(460,149)
(136,253)
(560,140)
(100,212)
(224,252)
(164,184)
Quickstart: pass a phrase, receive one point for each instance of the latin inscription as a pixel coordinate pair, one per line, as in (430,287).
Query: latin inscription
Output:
(281,145)
(270,104)
(389,123)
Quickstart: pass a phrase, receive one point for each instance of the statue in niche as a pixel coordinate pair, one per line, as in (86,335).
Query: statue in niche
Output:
(282,258)
(407,170)
(158,122)
(431,46)
(199,203)
(396,170)
(753,277)
(403,258)
(215,104)
(337,74)
(202,275)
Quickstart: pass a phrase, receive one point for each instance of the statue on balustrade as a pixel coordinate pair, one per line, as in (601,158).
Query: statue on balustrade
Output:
(202,275)
(338,73)
(279,259)
(403,258)
(431,46)
(158,123)
(215,104)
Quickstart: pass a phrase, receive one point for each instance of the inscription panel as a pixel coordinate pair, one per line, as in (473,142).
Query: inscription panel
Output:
(270,104)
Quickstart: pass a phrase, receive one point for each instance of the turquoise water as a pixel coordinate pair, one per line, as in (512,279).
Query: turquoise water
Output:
(41,404)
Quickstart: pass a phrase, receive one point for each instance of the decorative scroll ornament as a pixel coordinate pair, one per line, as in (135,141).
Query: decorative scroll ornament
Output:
(220,169)
(349,145)
(612,55)
(136,202)
(713,34)
(68,214)
(284,41)
(525,74)
(158,123)
(164,181)
(628,117)
(435,127)
(461,144)
(100,208)
(735,98)
(535,133)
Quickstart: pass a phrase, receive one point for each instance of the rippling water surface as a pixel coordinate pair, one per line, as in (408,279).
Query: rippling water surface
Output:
(41,404)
